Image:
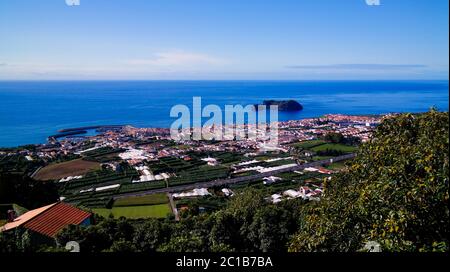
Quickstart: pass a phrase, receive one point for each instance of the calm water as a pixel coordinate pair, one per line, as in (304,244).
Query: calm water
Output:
(31,111)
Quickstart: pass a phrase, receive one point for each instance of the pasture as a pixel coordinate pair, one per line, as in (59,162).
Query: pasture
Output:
(65,169)
(136,212)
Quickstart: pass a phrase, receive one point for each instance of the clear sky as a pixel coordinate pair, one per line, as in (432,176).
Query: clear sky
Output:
(224,39)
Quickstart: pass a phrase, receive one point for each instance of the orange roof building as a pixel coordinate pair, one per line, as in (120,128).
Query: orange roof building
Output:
(50,219)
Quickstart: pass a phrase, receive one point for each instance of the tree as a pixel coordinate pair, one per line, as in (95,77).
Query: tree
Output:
(185,243)
(225,231)
(151,235)
(94,238)
(243,208)
(334,137)
(123,246)
(7,243)
(271,228)
(395,193)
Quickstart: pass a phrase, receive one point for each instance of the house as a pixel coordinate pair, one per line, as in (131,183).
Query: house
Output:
(193,193)
(325,171)
(311,169)
(227,192)
(270,180)
(291,193)
(45,222)
(276,198)
(211,161)
(304,191)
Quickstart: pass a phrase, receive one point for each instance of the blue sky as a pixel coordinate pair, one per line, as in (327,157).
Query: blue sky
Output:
(224,39)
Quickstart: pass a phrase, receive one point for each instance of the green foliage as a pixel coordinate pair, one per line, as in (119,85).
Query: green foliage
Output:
(270,229)
(150,235)
(191,243)
(123,246)
(395,193)
(248,223)
(97,238)
(17,241)
(334,137)
(338,138)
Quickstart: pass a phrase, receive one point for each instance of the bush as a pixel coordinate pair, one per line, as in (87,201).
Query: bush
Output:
(395,193)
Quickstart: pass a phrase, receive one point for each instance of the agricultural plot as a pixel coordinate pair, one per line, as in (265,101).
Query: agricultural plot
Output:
(174,165)
(210,203)
(199,175)
(93,199)
(308,144)
(290,180)
(337,147)
(136,212)
(97,179)
(65,169)
(221,156)
(103,154)
(276,163)
(142,200)
(144,186)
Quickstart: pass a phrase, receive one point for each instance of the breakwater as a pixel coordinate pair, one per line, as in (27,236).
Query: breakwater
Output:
(104,127)
(82,130)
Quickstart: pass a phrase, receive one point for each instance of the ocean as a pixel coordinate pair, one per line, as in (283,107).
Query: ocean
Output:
(31,111)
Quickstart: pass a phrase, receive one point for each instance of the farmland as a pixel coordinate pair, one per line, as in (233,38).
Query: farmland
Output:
(338,147)
(99,178)
(206,173)
(142,200)
(66,169)
(136,212)
(308,144)
(103,154)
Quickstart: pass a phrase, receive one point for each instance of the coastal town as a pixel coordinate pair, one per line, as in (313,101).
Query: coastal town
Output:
(142,172)
(223,135)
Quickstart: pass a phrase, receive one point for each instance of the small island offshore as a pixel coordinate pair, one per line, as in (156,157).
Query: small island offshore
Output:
(283,105)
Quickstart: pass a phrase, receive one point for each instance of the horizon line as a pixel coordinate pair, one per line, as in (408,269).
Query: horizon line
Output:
(210,80)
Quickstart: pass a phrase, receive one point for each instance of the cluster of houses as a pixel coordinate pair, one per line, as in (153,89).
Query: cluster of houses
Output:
(146,175)
(304,192)
(253,165)
(193,193)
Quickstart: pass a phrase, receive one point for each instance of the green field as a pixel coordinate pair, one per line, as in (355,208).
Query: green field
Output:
(136,212)
(142,200)
(338,147)
(309,144)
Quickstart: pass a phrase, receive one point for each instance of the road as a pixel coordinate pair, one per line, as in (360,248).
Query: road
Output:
(223,182)
(173,207)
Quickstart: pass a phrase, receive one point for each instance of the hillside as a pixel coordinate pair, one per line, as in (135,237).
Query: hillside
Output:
(395,193)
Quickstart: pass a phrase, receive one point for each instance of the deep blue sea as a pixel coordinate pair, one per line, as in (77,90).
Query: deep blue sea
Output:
(31,111)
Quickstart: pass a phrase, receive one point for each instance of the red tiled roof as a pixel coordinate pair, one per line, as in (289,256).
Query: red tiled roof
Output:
(25,218)
(54,219)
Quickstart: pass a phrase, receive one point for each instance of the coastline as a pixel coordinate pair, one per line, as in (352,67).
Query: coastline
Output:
(36,110)
(81,131)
